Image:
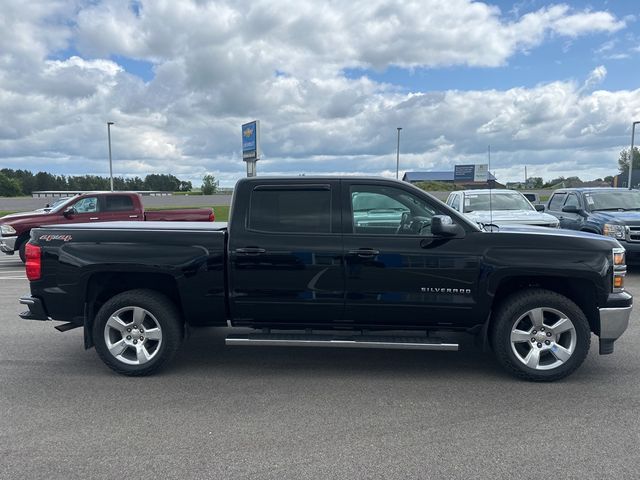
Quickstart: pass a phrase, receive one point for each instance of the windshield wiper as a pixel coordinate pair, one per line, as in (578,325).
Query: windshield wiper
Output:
(617,209)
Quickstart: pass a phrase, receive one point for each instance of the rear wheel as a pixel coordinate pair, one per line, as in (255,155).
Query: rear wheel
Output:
(137,332)
(540,335)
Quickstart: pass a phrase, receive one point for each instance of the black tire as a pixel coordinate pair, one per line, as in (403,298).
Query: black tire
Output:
(161,314)
(22,250)
(508,316)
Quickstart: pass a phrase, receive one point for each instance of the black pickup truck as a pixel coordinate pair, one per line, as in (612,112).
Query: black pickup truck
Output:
(332,262)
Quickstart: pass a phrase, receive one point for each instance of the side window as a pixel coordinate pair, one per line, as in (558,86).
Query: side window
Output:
(118,203)
(286,210)
(572,200)
(86,205)
(378,210)
(455,202)
(556,202)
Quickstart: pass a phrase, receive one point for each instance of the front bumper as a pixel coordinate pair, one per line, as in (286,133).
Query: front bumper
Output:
(614,320)
(8,244)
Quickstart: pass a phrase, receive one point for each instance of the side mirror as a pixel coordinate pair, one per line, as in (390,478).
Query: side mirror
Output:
(69,212)
(443,226)
(539,207)
(571,209)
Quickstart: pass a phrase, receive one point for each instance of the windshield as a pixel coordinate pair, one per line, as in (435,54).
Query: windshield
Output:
(617,200)
(499,201)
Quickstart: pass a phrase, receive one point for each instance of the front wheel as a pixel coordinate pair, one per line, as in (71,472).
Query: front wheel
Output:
(540,335)
(137,332)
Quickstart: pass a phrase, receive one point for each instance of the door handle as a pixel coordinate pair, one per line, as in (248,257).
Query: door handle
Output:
(93,218)
(250,251)
(364,252)
(133,216)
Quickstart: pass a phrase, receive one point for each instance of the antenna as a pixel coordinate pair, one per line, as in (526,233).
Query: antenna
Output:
(490,192)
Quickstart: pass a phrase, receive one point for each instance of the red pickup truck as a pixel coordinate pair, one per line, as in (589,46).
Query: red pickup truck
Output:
(85,208)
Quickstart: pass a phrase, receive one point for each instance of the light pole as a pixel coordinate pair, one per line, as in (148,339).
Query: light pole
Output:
(398,155)
(110,162)
(633,133)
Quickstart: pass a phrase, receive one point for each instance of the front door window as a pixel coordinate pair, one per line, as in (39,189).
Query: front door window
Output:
(378,210)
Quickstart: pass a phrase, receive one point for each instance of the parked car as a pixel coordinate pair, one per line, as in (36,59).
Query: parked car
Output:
(534,198)
(499,207)
(614,212)
(88,207)
(300,266)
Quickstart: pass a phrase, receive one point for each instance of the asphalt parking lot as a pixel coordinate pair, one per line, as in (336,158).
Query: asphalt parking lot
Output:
(242,412)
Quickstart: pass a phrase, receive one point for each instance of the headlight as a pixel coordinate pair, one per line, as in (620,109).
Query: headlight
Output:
(7,230)
(612,230)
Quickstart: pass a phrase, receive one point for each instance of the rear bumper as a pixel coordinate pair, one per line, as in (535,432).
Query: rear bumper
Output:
(36,309)
(8,244)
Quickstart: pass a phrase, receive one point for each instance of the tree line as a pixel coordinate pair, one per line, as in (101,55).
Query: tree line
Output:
(14,183)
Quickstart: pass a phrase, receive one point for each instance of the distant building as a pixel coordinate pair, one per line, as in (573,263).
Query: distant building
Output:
(622,180)
(447,177)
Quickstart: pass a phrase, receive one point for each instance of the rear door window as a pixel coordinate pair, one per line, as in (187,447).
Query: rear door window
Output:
(118,203)
(303,209)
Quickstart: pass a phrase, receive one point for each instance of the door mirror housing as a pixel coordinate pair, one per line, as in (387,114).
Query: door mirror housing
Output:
(443,226)
(539,207)
(70,212)
(571,209)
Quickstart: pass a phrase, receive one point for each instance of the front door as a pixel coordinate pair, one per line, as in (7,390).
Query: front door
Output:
(397,273)
(572,221)
(85,210)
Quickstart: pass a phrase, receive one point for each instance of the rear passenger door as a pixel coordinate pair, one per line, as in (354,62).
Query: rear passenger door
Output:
(119,207)
(286,258)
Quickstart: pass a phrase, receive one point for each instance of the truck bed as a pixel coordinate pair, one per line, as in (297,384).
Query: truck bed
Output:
(190,261)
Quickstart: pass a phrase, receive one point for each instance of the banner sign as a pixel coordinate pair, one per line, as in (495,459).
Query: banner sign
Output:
(251,141)
(471,173)
(463,173)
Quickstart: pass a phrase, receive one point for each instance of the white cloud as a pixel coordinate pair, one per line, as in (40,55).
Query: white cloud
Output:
(596,77)
(219,64)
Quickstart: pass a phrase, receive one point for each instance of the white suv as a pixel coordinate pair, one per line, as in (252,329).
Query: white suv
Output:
(500,207)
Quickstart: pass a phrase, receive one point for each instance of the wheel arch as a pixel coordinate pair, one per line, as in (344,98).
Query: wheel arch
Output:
(104,285)
(579,290)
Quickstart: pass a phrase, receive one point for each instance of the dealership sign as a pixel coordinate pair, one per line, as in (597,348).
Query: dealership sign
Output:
(471,173)
(251,141)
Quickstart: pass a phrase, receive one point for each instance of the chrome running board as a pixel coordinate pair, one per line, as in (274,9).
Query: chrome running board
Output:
(347,341)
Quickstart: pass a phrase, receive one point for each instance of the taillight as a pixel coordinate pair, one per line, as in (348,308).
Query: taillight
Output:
(212,216)
(33,263)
